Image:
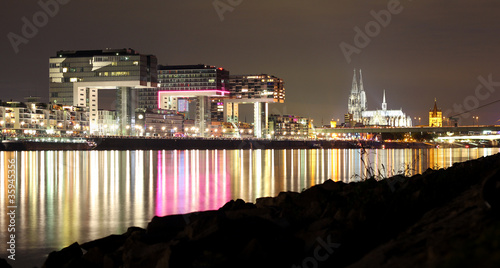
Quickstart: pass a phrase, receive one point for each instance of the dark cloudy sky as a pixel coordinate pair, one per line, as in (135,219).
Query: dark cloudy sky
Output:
(430,49)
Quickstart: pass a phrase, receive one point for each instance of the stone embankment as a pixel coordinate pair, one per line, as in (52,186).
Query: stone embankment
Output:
(441,218)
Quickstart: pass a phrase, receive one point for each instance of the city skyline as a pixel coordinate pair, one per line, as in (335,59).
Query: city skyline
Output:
(416,50)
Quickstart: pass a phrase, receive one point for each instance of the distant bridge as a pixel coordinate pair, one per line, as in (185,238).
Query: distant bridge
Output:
(462,129)
(470,137)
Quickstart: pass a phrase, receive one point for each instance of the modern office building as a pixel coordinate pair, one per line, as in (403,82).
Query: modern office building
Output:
(435,116)
(259,90)
(183,78)
(108,123)
(194,90)
(157,122)
(217,110)
(75,78)
(261,86)
(18,118)
(288,126)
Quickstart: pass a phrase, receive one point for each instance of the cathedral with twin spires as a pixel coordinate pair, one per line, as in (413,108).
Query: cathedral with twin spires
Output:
(358,113)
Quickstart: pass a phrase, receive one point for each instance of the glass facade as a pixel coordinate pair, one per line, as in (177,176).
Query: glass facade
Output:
(110,65)
(261,86)
(188,78)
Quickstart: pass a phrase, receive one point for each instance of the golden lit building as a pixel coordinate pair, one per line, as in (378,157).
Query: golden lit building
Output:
(435,116)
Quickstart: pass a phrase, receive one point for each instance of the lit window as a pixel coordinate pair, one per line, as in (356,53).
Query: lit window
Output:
(73,79)
(120,73)
(65,70)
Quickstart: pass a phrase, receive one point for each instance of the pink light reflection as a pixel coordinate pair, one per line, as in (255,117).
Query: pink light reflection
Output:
(190,183)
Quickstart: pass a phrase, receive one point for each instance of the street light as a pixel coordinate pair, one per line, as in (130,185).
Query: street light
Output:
(477,120)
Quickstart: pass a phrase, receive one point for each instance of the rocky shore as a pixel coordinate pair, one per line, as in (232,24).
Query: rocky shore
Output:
(441,218)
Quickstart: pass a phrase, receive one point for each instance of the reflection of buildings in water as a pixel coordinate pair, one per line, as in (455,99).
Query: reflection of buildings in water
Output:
(191,181)
(81,195)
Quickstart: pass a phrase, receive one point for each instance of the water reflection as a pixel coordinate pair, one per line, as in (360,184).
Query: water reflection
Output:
(66,196)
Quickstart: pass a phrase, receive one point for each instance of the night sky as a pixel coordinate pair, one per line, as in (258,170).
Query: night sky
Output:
(428,49)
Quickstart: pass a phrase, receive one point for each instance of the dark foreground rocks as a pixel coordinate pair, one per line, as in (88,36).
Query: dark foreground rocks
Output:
(442,218)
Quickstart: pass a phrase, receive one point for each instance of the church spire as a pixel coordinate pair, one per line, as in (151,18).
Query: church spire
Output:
(362,95)
(384,104)
(354,88)
(361,88)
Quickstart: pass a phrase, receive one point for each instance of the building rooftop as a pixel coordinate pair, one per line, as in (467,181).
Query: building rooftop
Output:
(91,53)
(185,67)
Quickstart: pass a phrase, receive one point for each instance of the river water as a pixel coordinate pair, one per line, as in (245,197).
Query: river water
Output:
(67,196)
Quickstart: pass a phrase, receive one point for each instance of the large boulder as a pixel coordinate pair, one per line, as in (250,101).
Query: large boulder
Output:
(66,257)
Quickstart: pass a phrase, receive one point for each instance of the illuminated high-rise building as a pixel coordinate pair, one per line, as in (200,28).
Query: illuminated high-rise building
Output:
(75,78)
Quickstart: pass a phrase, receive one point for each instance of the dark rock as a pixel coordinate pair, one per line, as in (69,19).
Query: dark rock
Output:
(265,202)
(330,185)
(491,191)
(107,244)
(133,229)
(4,263)
(166,228)
(233,243)
(94,256)
(285,198)
(138,254)
(204,224)
(66,257)
(237,205)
